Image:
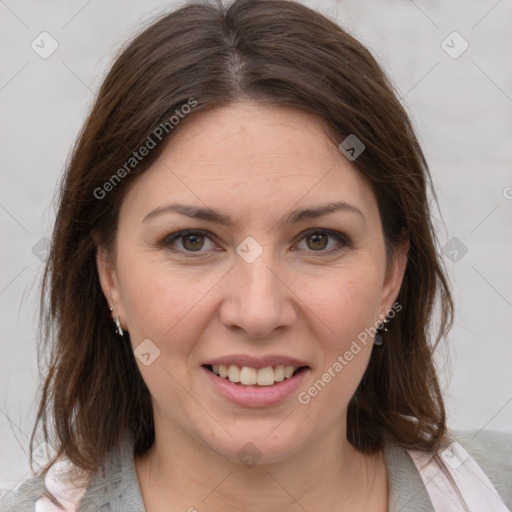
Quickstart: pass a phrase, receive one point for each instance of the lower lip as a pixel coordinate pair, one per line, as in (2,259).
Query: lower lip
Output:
(256,396)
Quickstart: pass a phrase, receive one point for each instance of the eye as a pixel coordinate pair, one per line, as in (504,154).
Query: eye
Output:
(317,240)
(192,240)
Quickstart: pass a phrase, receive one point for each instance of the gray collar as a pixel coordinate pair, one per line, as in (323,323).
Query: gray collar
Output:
(116,488)
(407,491)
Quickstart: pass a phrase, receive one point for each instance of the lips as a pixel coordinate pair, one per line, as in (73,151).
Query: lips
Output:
(249,376)
(256,395)
(251,371)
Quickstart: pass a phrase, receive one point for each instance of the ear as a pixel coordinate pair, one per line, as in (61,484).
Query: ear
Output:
(109,282)
(394,275)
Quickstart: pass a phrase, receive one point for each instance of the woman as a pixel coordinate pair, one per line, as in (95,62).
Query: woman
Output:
(242,282)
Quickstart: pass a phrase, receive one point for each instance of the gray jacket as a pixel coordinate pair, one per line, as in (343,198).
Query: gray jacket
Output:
(115,488)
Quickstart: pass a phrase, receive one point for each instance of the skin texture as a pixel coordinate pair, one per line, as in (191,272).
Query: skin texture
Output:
(299,298)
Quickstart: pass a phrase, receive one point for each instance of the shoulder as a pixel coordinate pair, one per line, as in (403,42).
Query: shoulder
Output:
(23,498)
(493,453)
(34,493)
(76,489)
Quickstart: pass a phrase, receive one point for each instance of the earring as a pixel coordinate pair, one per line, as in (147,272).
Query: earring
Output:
(379,340)
(119,329)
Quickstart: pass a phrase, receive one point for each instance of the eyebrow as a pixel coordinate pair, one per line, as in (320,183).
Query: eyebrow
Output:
(293,217)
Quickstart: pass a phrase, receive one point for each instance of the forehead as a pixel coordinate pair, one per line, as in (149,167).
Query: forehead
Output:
(257,138)
(248,158)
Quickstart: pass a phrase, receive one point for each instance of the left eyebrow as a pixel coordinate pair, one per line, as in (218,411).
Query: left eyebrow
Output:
(297,216)
(293,217)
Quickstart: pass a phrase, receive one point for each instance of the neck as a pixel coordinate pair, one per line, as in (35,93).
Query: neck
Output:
(180,473)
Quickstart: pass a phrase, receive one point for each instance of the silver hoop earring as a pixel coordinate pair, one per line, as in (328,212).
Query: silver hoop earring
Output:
(119,329)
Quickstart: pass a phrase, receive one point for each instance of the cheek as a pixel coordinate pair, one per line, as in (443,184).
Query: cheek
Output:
(346,309)
(168,307)
(346,305)
(162,303)
(349,311)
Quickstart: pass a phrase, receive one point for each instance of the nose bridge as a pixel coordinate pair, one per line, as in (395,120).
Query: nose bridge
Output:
(259,276)
(253,269)
(257,299)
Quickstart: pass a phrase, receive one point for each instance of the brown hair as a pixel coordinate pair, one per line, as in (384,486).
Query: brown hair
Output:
(284,54)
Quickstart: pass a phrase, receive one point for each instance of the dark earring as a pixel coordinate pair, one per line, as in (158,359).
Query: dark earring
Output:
(379,340)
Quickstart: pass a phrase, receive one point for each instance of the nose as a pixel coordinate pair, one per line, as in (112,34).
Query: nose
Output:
(258,298)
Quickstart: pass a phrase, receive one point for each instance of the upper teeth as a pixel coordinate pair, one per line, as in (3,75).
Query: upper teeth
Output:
(251,376)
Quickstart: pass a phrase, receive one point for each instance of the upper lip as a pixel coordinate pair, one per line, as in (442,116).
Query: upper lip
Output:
(256,362)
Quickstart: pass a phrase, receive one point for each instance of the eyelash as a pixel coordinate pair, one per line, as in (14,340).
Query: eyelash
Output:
(170,239)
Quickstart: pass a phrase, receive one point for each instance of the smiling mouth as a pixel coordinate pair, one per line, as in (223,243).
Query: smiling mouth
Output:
(254,377)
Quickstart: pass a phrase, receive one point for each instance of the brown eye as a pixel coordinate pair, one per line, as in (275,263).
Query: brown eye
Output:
(318,241)
(192,242)
(324,241)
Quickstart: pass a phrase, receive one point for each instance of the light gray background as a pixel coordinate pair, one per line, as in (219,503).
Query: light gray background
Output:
(462,109)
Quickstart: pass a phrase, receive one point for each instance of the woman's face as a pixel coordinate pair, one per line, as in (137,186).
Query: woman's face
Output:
(272,276)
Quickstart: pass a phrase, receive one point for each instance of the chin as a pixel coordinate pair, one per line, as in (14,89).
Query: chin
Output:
(258,445)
